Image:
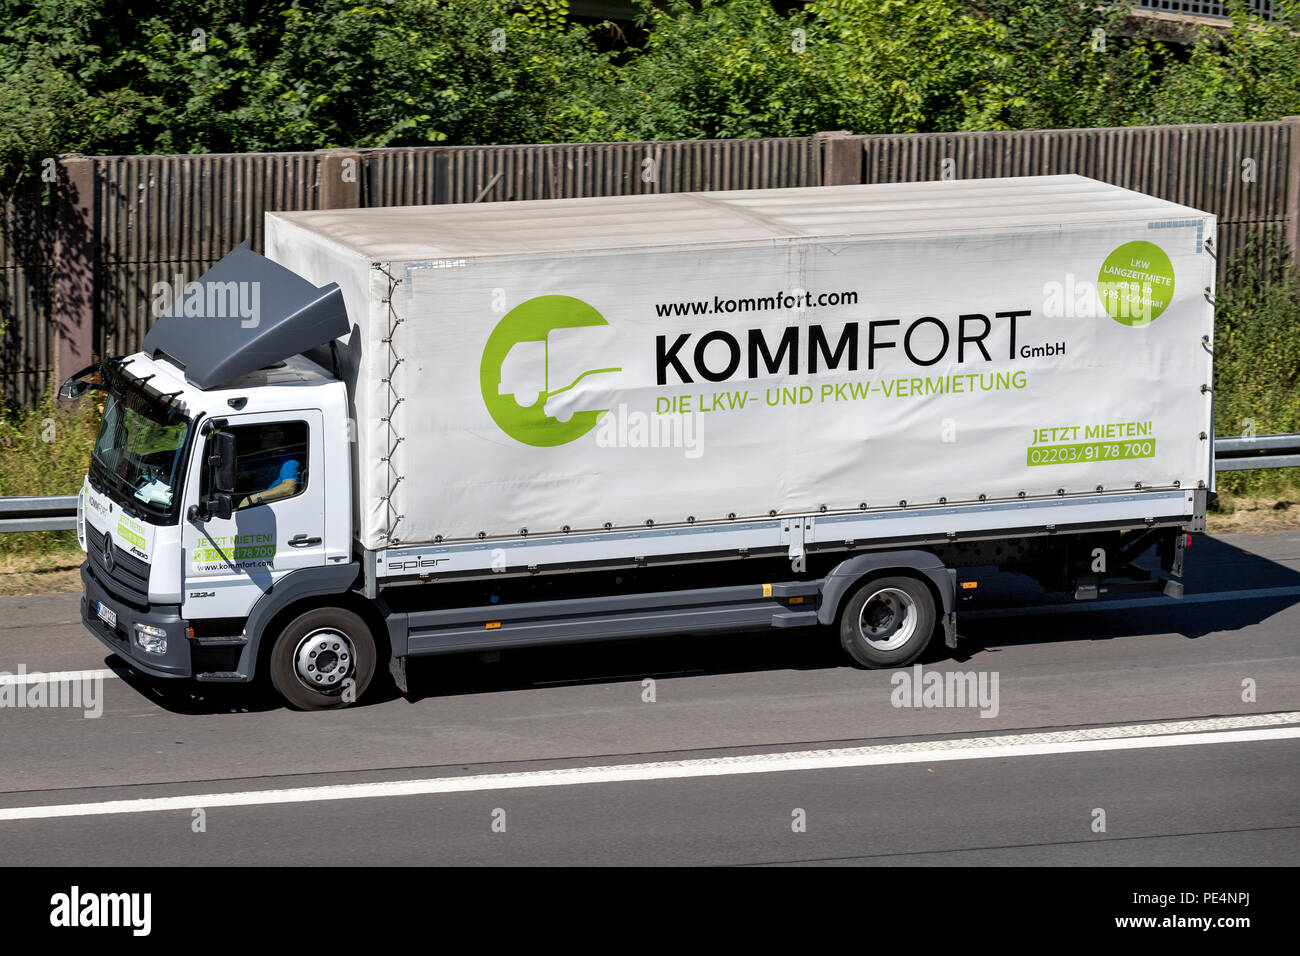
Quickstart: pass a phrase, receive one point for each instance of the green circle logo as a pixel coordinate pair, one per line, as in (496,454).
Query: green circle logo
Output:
(521,372)
(1136,283)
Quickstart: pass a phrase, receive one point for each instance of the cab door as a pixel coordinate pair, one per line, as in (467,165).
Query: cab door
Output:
(230,563)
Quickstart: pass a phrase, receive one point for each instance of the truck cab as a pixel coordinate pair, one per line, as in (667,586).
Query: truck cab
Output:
(202,505)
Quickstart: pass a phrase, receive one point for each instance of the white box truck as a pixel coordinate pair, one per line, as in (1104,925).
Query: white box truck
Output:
(428,430)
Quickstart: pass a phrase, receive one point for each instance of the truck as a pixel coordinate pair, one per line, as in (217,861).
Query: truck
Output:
(431,430)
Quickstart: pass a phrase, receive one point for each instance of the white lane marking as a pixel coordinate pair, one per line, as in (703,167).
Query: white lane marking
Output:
(1214,730)
(55,677)
(1131,603)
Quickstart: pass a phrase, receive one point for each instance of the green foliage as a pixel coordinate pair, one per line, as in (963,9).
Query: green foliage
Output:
(48,59)
(718,69)
(902,67)
(1257,359)
(1069,63)
(44,451)
(1251,72)
(109,76)
(414,73)
(96,76)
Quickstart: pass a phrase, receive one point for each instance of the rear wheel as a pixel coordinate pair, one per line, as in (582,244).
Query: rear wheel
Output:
(323,659)
(887,622)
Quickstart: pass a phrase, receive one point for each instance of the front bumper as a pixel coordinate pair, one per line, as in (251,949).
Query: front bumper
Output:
(120,639)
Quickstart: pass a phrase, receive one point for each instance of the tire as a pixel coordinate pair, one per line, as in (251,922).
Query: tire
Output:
(887,622)
(333,637)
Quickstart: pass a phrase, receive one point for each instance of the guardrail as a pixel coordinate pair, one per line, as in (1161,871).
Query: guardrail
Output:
(1245,452)
(1239,453)
(44,513)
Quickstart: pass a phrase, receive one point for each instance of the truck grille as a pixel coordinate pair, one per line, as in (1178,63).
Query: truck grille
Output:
(128,577)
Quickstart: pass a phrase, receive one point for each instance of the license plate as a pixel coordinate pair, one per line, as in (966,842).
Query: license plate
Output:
(106,614)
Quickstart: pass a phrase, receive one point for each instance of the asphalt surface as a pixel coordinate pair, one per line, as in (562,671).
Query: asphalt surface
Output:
(1063,670)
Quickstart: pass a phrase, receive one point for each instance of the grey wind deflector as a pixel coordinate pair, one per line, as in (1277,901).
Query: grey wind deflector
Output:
(244,313)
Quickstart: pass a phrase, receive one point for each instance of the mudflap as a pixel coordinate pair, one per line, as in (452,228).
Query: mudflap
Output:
(397,667)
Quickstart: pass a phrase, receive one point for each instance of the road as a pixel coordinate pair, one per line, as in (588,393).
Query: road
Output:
(1144,731)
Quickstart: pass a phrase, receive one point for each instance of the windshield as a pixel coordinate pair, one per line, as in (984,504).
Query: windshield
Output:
(140,448)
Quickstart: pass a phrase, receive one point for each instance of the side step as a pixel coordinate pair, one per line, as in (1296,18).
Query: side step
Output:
(220,640)
(794,619)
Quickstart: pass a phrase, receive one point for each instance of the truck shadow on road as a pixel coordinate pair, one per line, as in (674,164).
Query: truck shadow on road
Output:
(1010,611)
(1228,590)
(194,698)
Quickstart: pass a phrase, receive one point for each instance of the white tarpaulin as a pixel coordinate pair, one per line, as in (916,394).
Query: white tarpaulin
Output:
(596,365)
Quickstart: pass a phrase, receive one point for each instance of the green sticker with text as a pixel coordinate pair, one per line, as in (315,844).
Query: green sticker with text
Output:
(1136,283)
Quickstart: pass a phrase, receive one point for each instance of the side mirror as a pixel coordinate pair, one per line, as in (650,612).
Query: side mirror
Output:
(221,480)
(220,506)
(71,390)
(78,384)
(221,462)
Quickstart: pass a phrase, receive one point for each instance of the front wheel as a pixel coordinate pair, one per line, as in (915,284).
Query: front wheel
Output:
(324,658)
(887,622)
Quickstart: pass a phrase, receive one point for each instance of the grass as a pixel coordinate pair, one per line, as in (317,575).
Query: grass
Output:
(44,451)
(1251,514)
(53,571)
(1257,368)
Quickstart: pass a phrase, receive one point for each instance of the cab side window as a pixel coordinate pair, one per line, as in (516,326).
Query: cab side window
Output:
(270,462)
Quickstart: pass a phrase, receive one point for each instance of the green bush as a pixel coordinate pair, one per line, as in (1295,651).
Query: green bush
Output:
(1257,360)
(44,451)
(100,76)
(717,69)
(1249,72)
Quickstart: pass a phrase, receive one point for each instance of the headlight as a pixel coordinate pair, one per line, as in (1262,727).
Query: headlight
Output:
(150,639)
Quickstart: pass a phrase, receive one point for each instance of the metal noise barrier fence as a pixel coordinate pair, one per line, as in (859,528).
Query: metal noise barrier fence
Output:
(1243,453)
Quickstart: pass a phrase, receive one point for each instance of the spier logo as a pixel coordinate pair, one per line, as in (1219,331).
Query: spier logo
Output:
(532,375)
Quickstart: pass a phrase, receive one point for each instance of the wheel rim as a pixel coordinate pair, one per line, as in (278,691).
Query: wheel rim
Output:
(887,620)
(324,660)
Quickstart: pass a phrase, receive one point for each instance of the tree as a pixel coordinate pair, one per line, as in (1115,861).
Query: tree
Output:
(718,69)
(1249,72)
(902,67)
